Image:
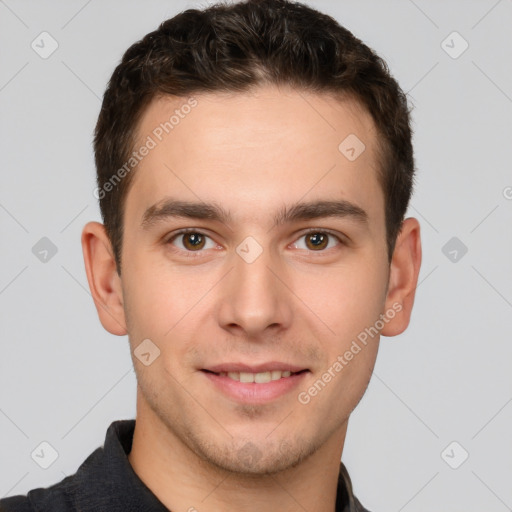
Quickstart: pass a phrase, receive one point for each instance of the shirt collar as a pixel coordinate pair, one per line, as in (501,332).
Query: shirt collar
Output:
(107,476)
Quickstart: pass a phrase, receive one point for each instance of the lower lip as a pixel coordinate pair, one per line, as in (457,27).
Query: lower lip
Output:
(250,392)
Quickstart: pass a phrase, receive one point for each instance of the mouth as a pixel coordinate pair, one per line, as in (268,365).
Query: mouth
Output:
(257,377)
(255,384)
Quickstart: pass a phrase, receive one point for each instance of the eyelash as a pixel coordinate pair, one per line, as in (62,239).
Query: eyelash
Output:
(197,254)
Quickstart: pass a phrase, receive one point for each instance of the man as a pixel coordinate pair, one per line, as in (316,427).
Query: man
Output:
(254,168)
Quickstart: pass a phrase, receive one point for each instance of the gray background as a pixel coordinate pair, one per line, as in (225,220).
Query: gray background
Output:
(63,379)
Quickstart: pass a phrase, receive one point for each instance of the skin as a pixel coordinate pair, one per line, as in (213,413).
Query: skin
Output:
(252,153)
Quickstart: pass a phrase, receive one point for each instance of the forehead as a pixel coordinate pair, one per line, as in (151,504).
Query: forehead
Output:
(257,150)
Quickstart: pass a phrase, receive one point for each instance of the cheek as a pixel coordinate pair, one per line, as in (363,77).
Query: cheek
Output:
(160,295)
(164,305)
(346,299)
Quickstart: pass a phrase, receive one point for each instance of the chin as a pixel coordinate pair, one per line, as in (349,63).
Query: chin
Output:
(256,459)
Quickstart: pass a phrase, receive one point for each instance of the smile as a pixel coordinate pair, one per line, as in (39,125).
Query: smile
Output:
(258,378)
(261,385)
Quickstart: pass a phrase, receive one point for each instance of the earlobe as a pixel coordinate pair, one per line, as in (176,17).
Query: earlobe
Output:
(104,282)
(403,277)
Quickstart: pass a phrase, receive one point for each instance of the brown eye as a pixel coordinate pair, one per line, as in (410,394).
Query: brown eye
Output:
(193,241)
(317,241)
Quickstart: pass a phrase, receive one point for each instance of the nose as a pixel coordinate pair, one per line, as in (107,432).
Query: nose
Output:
(254,297)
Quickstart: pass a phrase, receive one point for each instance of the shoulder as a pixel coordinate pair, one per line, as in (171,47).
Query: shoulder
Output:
(59,497)
(81,488)
(358,507)
(86,488)
(54,498)
(16,504)
(346,500)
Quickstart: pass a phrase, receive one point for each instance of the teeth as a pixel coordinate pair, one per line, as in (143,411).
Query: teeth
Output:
(246,377)
(259,378)
(263,377)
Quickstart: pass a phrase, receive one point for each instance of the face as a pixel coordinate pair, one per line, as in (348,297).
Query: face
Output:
(282,268)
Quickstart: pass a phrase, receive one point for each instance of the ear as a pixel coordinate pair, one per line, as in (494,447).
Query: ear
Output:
(403,277)
(104,281)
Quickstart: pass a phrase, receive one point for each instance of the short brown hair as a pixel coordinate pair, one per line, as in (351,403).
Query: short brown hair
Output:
(235,46)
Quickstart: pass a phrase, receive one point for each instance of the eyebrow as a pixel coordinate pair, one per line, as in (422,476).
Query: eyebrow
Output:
(170,208)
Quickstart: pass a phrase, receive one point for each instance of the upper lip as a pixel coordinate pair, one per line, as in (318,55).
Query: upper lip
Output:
(255,368)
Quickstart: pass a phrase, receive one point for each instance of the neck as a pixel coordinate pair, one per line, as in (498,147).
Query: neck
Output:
(183,481)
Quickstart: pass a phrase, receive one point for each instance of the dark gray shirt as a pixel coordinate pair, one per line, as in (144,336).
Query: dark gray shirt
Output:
(106,481)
